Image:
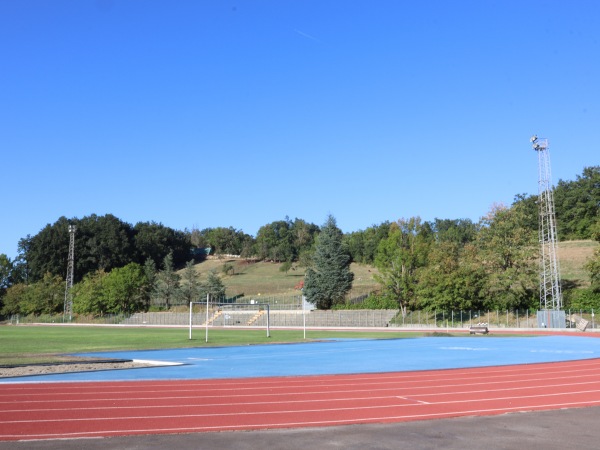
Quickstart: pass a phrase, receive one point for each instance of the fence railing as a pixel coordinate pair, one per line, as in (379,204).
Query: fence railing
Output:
(492,318)
(291,315)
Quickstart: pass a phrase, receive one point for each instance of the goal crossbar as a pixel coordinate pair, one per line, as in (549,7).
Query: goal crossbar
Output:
(231,308)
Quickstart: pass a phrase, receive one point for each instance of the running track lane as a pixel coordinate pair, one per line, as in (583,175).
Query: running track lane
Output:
(76,410)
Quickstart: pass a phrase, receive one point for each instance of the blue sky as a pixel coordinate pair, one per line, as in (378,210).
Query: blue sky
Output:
(239,113)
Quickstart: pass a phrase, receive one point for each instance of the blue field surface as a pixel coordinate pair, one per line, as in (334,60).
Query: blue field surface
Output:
(345,356)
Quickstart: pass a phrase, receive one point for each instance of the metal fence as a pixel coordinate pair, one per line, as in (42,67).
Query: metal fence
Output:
(291,315)
(491,318)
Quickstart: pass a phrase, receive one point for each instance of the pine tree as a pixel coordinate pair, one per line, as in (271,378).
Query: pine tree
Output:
(328,279)
(213,286)
(166,284)
(190,288)
(150,279)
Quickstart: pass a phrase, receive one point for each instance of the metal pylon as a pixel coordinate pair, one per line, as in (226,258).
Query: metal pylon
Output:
(550,290)
(68,308)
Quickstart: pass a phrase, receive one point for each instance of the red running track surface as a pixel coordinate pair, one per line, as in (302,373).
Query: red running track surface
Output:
(75,410)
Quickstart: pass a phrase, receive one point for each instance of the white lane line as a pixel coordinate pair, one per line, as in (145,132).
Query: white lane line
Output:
(154,430)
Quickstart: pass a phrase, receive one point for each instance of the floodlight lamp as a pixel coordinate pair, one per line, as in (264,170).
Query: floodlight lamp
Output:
(533,138)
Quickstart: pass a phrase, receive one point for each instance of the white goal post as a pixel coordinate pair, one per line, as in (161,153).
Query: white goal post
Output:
(225,311)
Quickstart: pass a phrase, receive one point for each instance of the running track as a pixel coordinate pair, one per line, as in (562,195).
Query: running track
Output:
(74,410)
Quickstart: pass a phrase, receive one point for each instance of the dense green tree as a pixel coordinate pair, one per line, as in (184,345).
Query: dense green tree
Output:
(224,241)
(593,265)
(166,285)
(13,298)
(399,257)
(197,239)
(102,242)
(304,235)
(149,280)
(595,230)
(436,289)
(275,241)
(47,251)
(123,289)
(213,286)
(508,250)
(190,284)
(454,278)
(577,204)
(529,207)
(362,245)
(328,279)
(459,231)
(582,299)
(6,268)
(89,296)
(11,273)
(354,244)
(305,258)
(155,241)
(19,271)
(119,291)
(45,296)
(284,240)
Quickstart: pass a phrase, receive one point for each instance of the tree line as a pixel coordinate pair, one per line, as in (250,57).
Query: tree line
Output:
(444,263)
(123,290)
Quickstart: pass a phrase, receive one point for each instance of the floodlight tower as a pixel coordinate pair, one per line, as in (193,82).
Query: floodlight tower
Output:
(68,308)
(550,291)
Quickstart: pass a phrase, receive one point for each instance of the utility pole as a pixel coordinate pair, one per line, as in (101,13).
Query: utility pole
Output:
(68,308)
(550,290)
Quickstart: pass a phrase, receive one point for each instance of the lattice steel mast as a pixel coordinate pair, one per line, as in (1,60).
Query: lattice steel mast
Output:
(550,291)
(68,308)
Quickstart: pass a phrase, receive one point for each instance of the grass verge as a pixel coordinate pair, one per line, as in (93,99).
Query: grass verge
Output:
(52,344)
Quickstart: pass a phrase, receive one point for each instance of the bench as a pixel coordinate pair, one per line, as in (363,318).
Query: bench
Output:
(479,329)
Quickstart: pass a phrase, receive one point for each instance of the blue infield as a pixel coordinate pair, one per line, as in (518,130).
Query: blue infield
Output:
(344,356)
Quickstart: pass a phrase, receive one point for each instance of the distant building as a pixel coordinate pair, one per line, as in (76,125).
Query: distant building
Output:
(201,253)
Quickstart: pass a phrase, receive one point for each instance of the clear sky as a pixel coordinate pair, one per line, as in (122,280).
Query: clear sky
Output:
(206,113)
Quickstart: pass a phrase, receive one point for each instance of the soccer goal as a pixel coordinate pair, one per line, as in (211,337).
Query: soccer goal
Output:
(216,314)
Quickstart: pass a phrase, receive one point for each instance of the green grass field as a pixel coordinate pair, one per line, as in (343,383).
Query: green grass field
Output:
(47,344)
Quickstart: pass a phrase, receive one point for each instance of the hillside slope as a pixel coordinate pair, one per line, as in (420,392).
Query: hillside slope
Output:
(253,279)
(572,256)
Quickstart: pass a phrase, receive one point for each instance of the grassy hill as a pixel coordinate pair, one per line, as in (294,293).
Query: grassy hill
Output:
(264,279)
(254,279)
(572,256)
